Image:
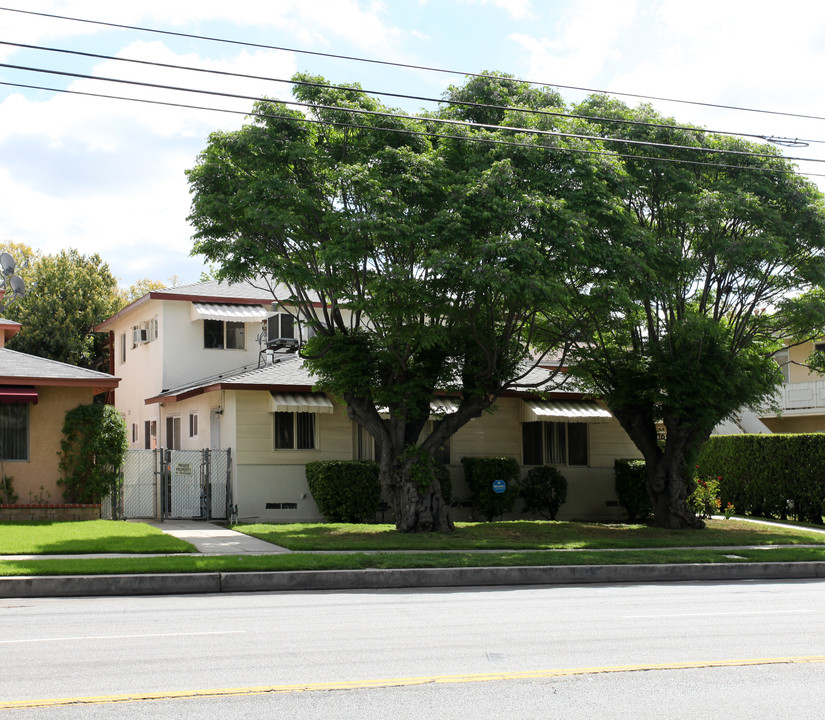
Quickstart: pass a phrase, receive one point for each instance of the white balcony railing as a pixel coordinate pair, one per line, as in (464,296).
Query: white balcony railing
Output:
(802,396)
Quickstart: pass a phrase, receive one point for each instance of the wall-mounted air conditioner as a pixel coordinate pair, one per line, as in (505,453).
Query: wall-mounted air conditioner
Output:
(280,332)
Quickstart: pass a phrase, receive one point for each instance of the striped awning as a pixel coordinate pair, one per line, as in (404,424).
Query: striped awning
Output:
(18,395)
(228,313)
(438,408)
(564,410)
(301,402)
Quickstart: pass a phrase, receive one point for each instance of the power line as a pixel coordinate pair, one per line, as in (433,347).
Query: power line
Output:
(407,66)
(385,93)
(407,131)
(444,121)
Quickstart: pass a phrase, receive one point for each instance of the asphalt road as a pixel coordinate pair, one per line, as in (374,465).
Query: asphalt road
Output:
(693,650)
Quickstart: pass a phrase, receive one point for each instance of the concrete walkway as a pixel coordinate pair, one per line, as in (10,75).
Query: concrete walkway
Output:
(212,539)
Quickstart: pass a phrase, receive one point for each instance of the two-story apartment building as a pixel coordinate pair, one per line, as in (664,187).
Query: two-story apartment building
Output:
(213,365)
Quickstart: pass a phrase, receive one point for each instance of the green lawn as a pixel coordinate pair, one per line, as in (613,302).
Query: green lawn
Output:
(356,561)
(503,543)
(528,535)
(91,536)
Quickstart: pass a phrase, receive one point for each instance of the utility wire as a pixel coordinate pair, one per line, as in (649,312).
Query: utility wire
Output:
(403,65)
(385,93)
(406,131)
(443,121)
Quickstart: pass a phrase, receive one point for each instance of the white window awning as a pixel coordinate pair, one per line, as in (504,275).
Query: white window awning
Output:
(564,410)
(301,402)
(228,313)
(438,408)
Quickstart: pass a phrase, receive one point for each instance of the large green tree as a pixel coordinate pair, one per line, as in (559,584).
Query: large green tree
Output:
(421,261)
(67,294)
(723,257)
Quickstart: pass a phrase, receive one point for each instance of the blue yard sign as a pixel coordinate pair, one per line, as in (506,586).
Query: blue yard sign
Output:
(499,486)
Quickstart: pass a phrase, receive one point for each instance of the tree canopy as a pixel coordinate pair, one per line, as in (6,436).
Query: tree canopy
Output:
(422,254)
(723,257)
(66,296)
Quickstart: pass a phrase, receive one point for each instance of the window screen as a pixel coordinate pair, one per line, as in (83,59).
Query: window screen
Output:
(14,432)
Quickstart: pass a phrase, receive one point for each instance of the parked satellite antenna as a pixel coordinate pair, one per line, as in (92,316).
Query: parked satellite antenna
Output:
(17,285)
(8,280)
(7,263)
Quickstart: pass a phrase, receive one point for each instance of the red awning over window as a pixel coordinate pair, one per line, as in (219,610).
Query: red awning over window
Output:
(18,395)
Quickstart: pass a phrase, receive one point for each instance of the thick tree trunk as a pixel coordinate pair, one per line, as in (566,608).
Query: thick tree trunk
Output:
(668,490)
(667,482)
(419,509)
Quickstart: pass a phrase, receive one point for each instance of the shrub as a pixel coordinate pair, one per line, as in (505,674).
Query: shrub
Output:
(7,490)
(442,474)
(92,452)
(704,500)
(345,490)
(631,489)
(480,472)
(544,491)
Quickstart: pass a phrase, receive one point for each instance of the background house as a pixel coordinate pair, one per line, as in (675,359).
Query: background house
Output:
(798,405)
(35,394)
(213,365)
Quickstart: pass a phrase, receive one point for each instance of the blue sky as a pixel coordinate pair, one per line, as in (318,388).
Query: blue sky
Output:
(107,176)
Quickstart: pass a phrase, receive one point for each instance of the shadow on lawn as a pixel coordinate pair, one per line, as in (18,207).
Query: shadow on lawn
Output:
(525,535)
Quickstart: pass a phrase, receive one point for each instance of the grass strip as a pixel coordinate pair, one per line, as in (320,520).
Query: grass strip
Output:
(88,536)
(357,561)
(526,534)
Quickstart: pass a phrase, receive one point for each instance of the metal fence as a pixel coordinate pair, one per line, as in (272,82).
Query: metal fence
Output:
(161,483)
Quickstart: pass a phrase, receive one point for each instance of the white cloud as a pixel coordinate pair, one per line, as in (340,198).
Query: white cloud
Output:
(518,9)
(583,42)
(94,173)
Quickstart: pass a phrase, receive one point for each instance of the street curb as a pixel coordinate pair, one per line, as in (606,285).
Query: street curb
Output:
(109,585)
(186,583)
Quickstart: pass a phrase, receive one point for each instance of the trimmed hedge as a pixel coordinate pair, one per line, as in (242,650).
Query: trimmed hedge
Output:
(768,475)
(631,489)
(345,490)
(544,490)
(480,472)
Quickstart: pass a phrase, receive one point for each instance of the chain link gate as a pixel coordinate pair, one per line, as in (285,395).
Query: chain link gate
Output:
(161,484)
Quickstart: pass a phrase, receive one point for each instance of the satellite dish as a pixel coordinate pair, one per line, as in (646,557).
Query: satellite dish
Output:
(17,285)
(7,263)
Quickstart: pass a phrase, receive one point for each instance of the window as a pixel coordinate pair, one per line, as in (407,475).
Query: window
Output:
(554,443)
(134,432)
(294,431)
(782,358)
(14,432)
(218,334)
(193,425)
(363,445)
(150,434)
(122,348)
(173,432)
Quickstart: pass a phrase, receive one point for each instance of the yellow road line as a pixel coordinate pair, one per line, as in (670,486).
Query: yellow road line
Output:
(401,682)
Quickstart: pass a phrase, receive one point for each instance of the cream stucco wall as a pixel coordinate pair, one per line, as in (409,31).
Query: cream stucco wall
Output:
(45,433)
(797,357)
(265,476)
(789,423)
